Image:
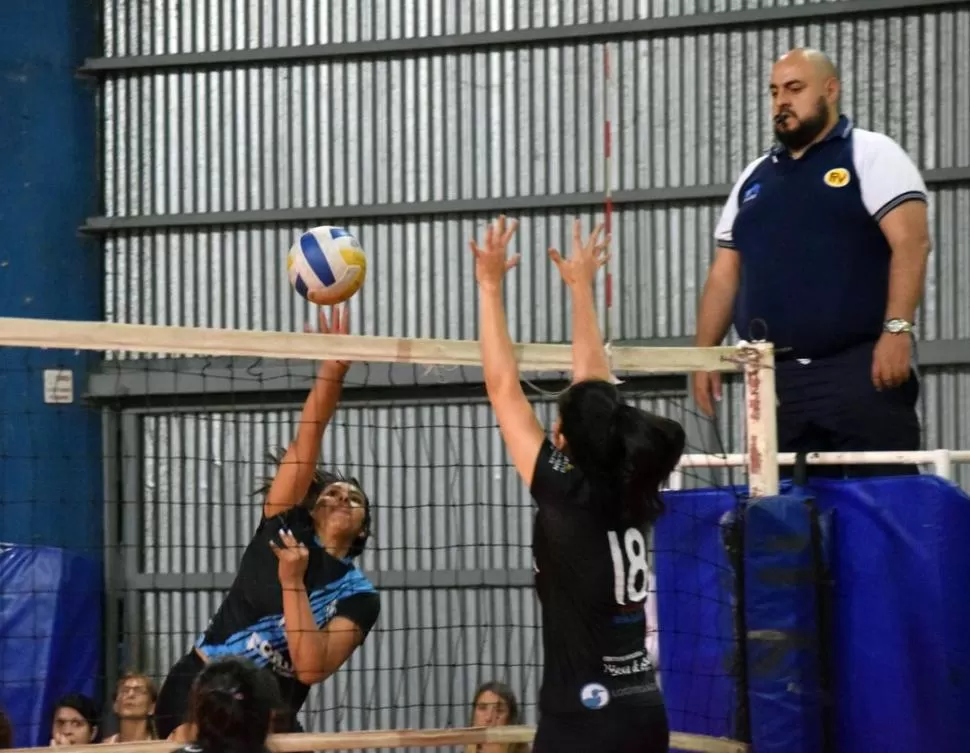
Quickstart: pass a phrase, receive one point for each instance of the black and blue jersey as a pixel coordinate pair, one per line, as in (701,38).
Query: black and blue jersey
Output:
(250,621)
(592,580)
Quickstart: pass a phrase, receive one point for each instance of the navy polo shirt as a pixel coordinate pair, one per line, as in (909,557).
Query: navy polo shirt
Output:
(814,261)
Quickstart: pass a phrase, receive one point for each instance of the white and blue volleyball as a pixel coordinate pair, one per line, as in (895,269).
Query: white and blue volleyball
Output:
(326,265)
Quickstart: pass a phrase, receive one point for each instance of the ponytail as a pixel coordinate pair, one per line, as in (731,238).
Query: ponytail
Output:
(646,449)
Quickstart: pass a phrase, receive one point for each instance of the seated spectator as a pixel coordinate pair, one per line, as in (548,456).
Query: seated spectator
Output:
(495,705)
(6,731)
(134,705)
(77,721)
(230,708)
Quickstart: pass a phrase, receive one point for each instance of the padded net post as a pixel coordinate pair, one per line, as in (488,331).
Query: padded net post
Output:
(455,611)
(760,418)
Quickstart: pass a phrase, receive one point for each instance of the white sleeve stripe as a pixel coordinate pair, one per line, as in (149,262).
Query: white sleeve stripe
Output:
(722,243)
(901,199)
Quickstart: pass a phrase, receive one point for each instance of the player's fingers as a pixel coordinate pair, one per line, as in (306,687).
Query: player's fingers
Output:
(577,234)
(513,226)
(555,257)
(603,260)
(345,319)
(514,261)
(324,323)
(591,241)
(476,251)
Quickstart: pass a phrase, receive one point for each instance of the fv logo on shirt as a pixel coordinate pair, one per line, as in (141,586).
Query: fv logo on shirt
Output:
(837,178)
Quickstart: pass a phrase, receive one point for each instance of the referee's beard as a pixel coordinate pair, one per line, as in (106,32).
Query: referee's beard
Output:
(806,131)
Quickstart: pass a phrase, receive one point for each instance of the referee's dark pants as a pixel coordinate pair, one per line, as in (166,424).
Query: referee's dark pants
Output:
(830,405)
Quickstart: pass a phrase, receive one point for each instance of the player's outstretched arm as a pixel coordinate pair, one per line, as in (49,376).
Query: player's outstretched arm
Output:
(296,469)
(517,421)
(579,272)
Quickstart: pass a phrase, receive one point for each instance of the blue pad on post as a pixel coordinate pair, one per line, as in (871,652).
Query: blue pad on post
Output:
(783,608)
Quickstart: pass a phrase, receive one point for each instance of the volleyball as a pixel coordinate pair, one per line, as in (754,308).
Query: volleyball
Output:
(326,265)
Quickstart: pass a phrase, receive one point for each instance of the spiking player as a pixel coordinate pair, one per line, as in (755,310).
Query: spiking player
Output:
(596,485)
(298,606)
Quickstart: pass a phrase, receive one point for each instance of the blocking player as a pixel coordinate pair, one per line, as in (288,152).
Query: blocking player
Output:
(596,485)
(298,605)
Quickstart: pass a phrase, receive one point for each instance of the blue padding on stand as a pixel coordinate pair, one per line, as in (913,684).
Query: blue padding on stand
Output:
(781,616)
(695,586)
(50,634)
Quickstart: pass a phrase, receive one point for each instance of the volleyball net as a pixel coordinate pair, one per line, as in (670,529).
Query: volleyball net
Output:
(166,432)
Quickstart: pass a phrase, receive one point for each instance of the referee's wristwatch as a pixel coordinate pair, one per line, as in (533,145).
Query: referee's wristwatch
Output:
(897,327)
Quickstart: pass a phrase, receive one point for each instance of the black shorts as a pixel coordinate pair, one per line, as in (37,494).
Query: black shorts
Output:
(630,729)
(172,705)
(831,405)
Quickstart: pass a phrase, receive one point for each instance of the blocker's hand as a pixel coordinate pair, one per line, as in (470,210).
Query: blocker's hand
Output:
(293,557)
(587,257)
(491,258)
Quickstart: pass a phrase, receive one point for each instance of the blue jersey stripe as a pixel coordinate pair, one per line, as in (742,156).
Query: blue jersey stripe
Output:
(271,628)
(316,258)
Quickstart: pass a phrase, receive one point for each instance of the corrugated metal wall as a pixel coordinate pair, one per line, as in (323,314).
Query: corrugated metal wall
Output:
(690,109)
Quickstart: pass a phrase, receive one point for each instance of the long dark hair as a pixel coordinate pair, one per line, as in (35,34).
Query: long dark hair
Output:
(231,706)
(322,478)
(504,692)
(625,451)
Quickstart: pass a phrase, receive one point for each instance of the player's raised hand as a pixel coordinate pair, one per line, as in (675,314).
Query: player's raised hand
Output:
(586,259)
(338,324)
(491,257)
(293,559)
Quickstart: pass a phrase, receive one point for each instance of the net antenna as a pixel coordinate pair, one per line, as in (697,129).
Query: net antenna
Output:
(754,360)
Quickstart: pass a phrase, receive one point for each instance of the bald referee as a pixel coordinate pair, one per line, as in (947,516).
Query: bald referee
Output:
(822,249)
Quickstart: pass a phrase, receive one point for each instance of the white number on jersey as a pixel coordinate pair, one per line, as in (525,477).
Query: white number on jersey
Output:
(629,566)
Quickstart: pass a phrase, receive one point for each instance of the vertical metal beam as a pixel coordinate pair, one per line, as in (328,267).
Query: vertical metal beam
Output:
(131,449)
(113,567)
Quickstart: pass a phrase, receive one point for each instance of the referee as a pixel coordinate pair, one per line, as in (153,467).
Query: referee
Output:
(821,250)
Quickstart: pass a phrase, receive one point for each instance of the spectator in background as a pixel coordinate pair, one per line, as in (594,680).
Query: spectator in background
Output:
(77,721)
(6,731)
(822,250)
(230,708)
(495,705)
(134,705)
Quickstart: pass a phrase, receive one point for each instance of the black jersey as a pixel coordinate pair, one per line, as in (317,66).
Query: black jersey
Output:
(250,621)
(591,579)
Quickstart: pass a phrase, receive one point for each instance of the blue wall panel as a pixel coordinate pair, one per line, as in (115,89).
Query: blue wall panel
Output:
(50,470)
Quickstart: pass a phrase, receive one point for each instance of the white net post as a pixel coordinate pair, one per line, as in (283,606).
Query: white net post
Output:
(760,405)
